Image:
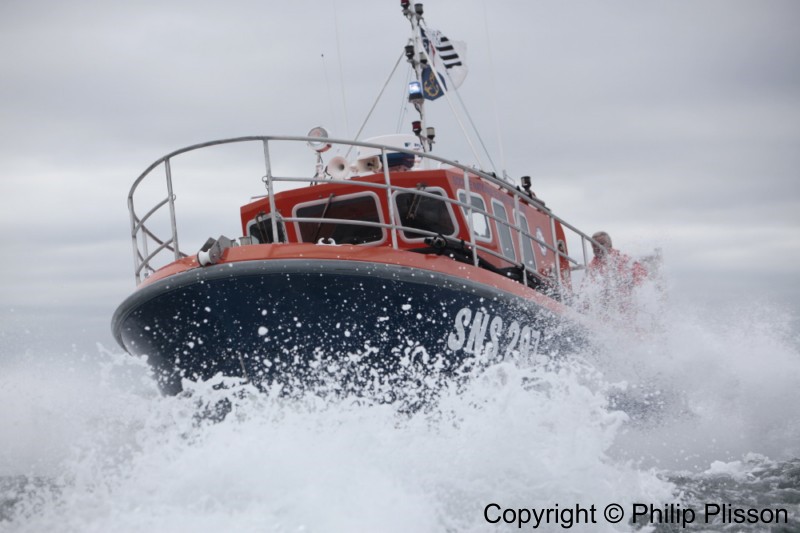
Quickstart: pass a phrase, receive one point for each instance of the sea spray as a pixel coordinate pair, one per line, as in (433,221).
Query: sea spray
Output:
(701,384)
(689,407)
(517,436)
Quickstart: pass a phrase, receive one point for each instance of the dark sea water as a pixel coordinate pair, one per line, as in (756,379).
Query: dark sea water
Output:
(685,418)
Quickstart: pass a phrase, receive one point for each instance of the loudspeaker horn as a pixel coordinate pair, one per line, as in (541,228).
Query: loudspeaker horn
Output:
(369,165)
(338,168)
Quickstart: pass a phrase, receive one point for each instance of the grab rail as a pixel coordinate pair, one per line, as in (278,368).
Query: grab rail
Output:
(142,236)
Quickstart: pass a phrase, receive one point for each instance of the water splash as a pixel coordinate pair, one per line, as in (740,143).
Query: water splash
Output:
(516,436)
(671,408)
(701,384)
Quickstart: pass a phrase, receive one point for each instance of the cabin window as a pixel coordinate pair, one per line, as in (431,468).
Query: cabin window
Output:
(261,229)
(362,208)
(527,244)
(504,231)
(425,213)
(480,222)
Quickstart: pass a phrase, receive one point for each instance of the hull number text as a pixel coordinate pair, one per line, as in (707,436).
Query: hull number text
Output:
(482,334)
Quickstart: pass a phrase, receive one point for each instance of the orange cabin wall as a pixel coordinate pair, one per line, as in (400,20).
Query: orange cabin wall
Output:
(449,180)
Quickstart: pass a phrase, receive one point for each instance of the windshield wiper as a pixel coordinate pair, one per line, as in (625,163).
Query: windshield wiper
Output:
(322,216)
(411,214)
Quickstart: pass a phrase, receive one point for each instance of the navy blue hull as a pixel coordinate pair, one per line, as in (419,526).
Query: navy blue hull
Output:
(297,322)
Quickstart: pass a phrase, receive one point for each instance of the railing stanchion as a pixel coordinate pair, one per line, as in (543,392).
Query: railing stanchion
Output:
(273,210)
(585,253)
(389,202)
(172,222)
(469,219)
(518,229)
(134,239)
(556,253)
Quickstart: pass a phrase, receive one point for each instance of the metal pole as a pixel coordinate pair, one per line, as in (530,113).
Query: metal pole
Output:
(134,240)
(518,228)
(418,48)
(469,219)
(172,221)
(585,253)
(389,202)
(270,192)
(556,253)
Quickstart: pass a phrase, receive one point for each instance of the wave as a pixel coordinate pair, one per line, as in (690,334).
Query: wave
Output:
(649,413)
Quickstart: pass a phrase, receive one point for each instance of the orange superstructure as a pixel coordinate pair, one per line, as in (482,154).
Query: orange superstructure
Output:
(511,231)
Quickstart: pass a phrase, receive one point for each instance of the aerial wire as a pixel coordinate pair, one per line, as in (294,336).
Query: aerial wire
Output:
(328,85)
(493,77)
(456,114)
(341,70)
(380,94)
(474,127)
(403,101)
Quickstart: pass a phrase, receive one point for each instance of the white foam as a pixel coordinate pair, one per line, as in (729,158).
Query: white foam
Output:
(517,437)
(712,385)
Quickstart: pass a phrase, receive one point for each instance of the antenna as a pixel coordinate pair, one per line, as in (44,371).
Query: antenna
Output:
(341,70)
(328,85)
(493,77)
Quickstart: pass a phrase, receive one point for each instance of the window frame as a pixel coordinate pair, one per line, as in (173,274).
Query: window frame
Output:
(484,213)
(343,197)
(266,219)
(523,219)
(445,199)
(508,226)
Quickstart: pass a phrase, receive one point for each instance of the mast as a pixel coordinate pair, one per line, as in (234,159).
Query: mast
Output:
(417,57)
(428,80)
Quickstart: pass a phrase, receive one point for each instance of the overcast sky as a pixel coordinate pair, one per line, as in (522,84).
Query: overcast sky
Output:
(671,124)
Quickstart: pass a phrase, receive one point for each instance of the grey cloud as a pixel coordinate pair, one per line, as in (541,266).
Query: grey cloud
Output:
(665,123)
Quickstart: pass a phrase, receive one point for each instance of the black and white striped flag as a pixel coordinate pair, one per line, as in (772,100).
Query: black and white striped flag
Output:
(448,54)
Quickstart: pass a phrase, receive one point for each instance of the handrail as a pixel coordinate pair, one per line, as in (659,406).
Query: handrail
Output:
(142,235)
(146,260)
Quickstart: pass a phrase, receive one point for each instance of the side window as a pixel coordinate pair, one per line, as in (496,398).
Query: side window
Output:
(480,222)
(261,229)
(361,208)
(426,213)
(527,244)
(504,231)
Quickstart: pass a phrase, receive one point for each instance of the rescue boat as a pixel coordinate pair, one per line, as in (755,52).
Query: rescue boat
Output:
(395,266)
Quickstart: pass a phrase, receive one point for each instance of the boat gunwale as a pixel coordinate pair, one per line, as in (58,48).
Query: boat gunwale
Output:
(476,278)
